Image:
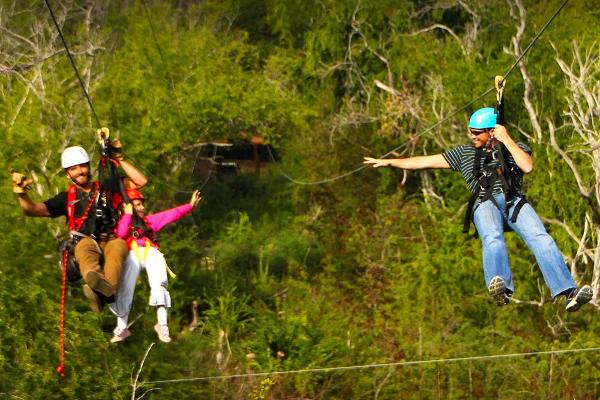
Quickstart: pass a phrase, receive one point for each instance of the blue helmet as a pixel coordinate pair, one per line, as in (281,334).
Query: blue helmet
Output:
(484,118)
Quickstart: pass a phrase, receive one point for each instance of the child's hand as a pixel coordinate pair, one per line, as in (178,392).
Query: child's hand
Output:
(128,208)
(195,198)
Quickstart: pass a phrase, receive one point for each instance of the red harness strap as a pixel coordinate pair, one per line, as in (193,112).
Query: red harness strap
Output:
(74,225)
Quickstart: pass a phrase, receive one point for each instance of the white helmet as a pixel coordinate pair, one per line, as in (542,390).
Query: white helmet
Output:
(74,155)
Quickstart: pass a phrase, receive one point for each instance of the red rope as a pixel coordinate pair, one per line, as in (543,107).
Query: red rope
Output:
(61,338)
(74,224)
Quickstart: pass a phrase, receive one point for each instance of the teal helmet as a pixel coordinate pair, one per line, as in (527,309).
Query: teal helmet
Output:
(484,118)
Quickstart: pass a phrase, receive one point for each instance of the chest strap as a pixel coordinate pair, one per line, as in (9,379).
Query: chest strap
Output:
(486,178)
(75,224)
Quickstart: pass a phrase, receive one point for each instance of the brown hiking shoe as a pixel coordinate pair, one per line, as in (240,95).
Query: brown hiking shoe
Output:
(96,302)
(98,282)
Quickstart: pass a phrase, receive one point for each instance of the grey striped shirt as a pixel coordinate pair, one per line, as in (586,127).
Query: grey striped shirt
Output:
(462,158)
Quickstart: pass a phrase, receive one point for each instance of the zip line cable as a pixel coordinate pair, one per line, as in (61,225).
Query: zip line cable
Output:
(281,171)
(427,130)
(536,37)
(177,104)
(64,42)
(338,177)
(210,170)
(81,84)
(160,54)
(379,365)
(508,72)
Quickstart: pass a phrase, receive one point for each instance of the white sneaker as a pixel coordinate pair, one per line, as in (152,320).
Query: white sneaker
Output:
(579,297)
(163,333)
(120,335)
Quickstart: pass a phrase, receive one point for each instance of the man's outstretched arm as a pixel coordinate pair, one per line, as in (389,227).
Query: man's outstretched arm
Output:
(436,161)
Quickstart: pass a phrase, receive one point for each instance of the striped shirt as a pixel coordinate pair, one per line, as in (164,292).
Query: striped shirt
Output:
(462,158)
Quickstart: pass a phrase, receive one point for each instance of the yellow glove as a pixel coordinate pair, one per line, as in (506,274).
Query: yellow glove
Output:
(20,182)
(103,133)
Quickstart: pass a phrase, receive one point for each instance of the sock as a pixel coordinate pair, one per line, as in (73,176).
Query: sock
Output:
(161,315)
(122,322)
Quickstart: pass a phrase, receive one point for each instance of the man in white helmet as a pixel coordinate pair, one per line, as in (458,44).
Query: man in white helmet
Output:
(90,209)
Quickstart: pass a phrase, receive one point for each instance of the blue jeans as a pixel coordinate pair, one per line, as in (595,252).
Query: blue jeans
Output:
(490,223)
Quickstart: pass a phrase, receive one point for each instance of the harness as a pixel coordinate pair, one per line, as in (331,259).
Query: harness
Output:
(151,241)
(68,246)
(487,174)
(141,228)
(495,167)
(75,224)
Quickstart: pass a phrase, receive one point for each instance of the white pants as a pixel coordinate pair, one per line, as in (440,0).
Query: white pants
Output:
(156,269)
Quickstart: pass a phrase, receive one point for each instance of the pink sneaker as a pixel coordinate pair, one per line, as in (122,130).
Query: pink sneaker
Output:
(163,332)
(120,335)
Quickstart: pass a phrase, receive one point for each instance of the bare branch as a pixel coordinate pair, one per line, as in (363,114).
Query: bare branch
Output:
(388,89)
(472,29)
(585,192)
(538,303)
(134,384)
(516,51)
(444,28)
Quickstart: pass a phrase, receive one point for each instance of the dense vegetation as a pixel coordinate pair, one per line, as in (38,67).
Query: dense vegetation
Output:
(369,268)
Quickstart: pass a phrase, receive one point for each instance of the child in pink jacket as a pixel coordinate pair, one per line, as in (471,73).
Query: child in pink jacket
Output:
(144,253)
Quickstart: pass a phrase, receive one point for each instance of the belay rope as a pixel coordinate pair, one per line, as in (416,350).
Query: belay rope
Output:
(60,369)
(74,225)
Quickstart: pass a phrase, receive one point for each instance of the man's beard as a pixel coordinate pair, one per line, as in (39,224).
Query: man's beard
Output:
(78,179)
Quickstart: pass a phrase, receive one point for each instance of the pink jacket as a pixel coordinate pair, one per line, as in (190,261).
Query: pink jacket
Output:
(155,221)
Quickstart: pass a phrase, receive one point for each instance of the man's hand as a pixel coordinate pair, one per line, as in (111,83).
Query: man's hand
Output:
(376,162)
(115,150)
(500,134)
(20,182)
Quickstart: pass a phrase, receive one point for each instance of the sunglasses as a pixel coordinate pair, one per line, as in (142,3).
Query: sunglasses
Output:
(478,132)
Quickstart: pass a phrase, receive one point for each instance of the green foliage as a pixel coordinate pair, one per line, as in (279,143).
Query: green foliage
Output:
(371,268)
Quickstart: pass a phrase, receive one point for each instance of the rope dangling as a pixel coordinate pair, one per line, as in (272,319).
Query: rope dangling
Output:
(60,369)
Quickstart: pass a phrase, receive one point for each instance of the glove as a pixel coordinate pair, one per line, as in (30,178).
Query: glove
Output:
(103,133)
(115,150)
(20,182)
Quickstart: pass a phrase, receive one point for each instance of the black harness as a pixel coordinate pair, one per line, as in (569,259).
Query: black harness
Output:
(141,228)
(495,167)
